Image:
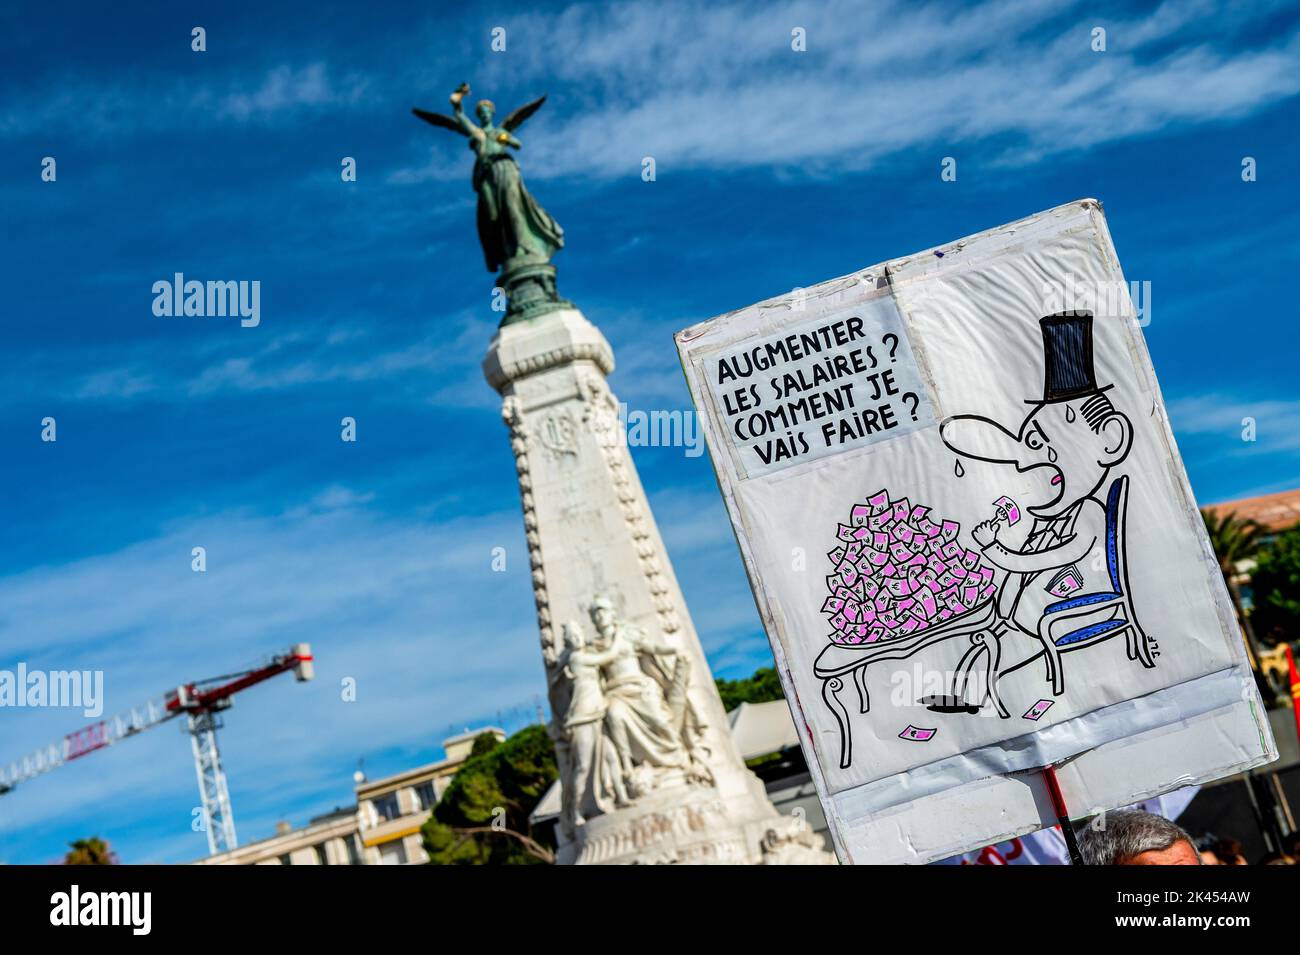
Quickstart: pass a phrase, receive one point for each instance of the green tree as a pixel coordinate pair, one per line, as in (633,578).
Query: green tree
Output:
(1234,540)
(762,687)
(482,818)
(1276,585)
(92,851)
(484,743)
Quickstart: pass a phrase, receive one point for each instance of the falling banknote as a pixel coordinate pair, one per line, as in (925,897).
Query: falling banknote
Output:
(1038,709)
(918,733)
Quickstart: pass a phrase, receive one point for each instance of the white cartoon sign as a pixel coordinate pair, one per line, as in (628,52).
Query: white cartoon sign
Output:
(1002,564)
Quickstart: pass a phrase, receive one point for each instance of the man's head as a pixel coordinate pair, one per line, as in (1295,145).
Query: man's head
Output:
(1132,837)
(1072,435)
(1070,444)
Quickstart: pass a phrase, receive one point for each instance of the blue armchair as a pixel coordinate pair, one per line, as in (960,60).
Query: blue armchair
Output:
(1059,629)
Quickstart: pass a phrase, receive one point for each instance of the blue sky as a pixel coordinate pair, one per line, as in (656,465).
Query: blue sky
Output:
(775,169)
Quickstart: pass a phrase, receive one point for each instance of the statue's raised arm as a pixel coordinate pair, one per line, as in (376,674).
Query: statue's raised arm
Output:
(459,123)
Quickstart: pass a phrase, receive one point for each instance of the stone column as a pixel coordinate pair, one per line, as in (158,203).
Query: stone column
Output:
(591,535)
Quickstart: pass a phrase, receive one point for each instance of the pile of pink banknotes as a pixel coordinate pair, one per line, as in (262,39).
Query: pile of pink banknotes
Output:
(898,571)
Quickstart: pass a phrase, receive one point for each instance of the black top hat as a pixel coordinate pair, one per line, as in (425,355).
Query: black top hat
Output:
(1067,358)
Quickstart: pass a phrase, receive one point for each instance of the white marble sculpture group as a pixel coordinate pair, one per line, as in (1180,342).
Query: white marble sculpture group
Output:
(628,722)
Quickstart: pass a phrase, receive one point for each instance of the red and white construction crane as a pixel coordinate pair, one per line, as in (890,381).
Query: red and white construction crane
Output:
(200,702)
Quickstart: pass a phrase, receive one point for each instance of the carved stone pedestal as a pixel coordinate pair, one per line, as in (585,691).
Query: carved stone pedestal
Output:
(650,772)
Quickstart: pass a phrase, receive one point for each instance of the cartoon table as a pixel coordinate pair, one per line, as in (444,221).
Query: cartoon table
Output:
(837,661)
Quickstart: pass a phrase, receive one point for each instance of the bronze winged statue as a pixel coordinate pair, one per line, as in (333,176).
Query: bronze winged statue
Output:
(513,227)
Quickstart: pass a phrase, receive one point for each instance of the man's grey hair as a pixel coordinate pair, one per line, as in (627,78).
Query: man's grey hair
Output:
(1115,837)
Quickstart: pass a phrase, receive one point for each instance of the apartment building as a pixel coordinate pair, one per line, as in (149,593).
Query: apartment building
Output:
(381,828)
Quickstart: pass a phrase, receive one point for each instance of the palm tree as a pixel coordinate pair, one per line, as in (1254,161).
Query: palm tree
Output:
(1235,540)
(92,851)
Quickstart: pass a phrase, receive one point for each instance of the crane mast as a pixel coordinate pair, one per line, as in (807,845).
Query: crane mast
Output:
(213,791)
(200,703)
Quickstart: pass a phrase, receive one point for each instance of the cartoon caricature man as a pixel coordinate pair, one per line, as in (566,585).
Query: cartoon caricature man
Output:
(1071,437)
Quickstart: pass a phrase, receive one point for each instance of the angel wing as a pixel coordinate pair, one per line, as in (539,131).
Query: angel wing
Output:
(517,117)
(437,119)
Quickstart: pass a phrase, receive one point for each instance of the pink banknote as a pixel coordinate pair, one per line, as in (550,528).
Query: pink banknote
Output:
(919,734)
(1038,709)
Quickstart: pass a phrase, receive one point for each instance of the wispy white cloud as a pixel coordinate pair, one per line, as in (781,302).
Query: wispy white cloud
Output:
(435,361)
(114,383)
(1243,426)
(720,87)
(251,375)
(140,102)
(286,88)
(1218,412)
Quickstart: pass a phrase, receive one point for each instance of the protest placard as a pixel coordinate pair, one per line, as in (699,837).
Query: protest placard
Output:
(972,540)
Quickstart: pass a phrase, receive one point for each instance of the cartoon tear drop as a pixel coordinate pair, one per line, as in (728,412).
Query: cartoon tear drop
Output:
(1069,413)
(959,470)
(1051,455)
